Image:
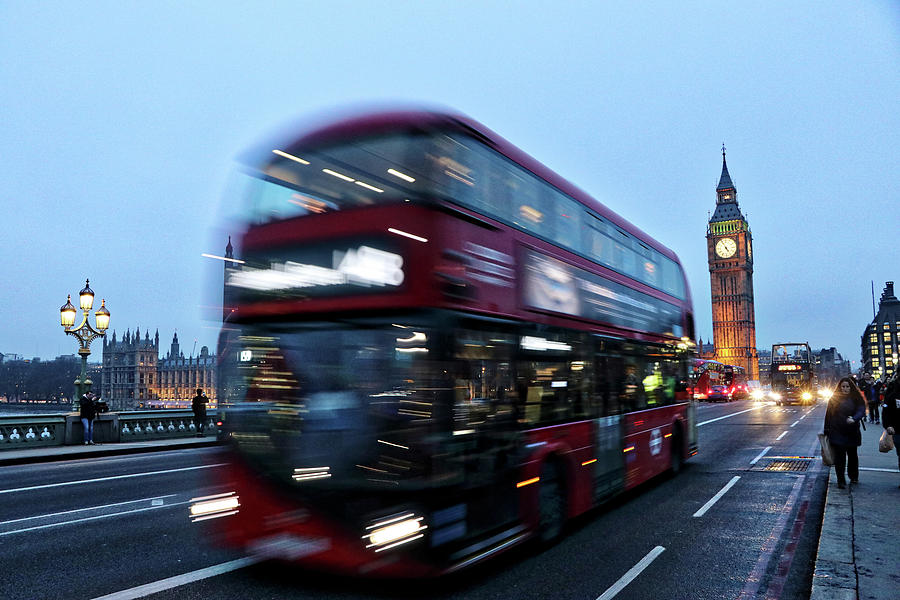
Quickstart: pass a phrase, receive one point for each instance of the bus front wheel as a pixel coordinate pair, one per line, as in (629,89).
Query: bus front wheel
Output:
(676,450)
(552,505)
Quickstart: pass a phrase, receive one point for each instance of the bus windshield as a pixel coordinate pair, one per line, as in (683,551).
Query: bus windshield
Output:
(347,397)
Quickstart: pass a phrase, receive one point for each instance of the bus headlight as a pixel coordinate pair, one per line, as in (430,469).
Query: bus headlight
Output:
(392,532)
(806,396)
(213,507)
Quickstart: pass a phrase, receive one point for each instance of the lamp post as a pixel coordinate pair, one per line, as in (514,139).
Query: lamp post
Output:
(84,333)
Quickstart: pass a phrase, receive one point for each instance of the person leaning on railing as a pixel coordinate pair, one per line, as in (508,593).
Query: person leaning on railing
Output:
(88,412)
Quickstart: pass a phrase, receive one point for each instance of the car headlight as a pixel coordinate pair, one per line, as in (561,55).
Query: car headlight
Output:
(806,396)
(775,396)
(757,395)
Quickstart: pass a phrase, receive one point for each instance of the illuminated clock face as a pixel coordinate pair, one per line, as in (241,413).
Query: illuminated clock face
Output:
(726,247)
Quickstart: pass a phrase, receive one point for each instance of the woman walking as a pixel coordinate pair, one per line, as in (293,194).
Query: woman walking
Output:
(842,417)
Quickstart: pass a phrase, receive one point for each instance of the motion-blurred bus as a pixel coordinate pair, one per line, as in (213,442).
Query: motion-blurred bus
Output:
(436,349)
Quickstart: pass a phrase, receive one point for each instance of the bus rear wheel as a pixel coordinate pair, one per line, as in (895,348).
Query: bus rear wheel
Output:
(552,505)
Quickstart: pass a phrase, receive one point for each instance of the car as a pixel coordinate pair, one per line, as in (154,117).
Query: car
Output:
(719,392)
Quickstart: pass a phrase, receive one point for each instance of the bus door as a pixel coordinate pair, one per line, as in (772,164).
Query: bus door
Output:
(609,470)
(484,430)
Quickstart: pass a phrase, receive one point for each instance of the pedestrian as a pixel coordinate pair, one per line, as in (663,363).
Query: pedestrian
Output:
(865,387)
(88,412)
(198,405)
(875,400)
(890,413)
(845,411)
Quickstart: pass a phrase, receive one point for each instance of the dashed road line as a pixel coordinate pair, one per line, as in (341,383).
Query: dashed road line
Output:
(728,416)
(761,454)
(618,586)
(715,498)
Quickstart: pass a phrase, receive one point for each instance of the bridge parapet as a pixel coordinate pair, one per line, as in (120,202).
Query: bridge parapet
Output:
(34,430)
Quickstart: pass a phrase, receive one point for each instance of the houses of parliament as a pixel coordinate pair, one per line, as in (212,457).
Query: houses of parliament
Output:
(134,376)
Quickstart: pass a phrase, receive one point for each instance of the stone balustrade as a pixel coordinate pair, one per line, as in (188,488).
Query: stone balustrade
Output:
(34,430)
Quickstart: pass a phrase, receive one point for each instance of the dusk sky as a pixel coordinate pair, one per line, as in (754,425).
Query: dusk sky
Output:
(120,123)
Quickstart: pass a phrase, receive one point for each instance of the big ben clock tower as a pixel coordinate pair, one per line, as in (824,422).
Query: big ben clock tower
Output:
(729,247)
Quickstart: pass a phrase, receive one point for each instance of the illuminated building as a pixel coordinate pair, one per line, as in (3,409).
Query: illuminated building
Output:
(729,246)
(134,376)
(881,339)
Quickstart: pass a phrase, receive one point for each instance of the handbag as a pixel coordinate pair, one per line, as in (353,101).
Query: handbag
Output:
(827,452)
(885,442)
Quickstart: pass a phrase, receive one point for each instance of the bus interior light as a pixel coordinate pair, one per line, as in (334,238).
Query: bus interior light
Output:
(409,235)
(338,175)
(530,342)
(417,336)
(400,175)
(309,473)
(369,187)
(290,157)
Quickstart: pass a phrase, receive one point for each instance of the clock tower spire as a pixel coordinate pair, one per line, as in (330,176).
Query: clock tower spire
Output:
(729,245)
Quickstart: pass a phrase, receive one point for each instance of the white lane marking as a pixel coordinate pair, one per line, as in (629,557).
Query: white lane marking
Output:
(179,580)
(715,498)
(794,424)
(761,454)
(878,469)
(778,439)
(82,520)
(728,416)
(627,577)
(51,485)
(153,501)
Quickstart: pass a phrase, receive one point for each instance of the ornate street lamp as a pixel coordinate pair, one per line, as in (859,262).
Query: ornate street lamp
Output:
(84,333)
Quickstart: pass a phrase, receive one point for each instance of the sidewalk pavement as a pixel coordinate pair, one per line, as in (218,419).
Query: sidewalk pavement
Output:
(54,453)
(858,549)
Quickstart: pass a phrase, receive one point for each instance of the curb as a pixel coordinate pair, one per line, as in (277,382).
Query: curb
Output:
(103,451)
(835,575)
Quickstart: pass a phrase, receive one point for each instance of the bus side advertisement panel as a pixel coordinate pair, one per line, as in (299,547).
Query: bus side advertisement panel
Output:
(552,285)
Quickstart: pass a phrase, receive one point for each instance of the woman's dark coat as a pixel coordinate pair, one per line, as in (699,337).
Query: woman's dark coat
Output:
(838,430)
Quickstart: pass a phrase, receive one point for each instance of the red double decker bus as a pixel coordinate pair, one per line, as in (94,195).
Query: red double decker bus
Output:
(714,380)
(435,349)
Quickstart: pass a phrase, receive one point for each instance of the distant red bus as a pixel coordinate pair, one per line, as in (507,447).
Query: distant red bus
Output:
(708,376)
(436,349)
